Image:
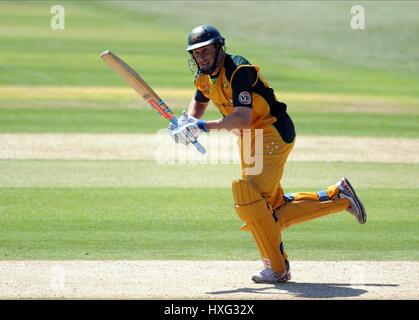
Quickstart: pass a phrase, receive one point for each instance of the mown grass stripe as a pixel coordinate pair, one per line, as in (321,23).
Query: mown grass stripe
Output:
(81,120)
(149,174)
(131,223)
(42,92)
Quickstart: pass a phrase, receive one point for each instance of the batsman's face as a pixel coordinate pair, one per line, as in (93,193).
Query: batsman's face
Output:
(205,56)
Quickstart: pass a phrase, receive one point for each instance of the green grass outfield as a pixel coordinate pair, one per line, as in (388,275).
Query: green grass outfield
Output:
(336,82)
(142,210)
(302,47)
(153,223)
(77,120)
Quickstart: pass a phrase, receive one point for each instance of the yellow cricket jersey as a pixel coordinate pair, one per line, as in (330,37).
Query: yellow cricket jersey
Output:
(239,84)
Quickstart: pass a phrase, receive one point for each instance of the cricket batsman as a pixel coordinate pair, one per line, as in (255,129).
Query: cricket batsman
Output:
(246,101)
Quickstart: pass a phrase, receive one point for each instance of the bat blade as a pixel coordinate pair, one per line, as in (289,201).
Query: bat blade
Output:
(143,89)
(137,83)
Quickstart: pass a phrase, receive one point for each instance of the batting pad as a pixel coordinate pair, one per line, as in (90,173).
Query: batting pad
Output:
(253,209)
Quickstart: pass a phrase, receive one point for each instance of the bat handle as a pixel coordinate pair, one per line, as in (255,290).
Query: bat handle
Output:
(199,147)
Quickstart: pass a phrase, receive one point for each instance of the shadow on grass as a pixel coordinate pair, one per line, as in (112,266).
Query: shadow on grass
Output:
(309,290)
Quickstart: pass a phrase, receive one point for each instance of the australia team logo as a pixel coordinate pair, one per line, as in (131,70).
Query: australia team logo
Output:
(245,98)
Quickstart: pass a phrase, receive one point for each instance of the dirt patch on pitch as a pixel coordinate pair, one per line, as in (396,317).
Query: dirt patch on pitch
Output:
(222,148)
(206,280)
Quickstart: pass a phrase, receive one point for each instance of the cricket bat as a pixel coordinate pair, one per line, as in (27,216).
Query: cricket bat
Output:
(144,90)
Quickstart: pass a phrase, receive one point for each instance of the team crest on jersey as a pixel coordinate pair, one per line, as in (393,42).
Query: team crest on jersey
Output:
(245,97)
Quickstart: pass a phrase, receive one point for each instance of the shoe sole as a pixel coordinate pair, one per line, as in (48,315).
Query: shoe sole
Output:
(286,278)
(361,206)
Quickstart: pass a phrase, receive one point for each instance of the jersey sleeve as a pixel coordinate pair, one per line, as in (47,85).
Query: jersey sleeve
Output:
(199,96)
(241,84)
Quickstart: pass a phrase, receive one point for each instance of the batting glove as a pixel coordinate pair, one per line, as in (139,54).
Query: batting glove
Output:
(178,137)
(188,129)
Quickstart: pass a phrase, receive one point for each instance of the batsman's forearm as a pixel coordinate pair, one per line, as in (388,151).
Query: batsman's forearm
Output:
(233,121)
(197,109)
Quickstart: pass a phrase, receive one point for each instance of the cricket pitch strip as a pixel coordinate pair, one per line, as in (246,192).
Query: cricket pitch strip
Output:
(215,280)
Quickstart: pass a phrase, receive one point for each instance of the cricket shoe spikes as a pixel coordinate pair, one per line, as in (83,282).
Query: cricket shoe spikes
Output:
(357,208)
(269,276)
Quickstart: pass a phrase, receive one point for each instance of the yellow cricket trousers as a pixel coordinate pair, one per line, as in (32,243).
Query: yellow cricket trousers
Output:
(292,208)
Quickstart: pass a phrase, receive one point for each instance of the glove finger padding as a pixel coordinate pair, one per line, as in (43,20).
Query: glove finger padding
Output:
(186,130)
(192,132)
(183,137)
(183,119)
(171,129)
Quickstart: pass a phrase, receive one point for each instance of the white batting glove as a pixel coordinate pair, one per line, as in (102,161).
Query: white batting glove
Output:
(188,129)
(174,133)
(193,127)
(183,119)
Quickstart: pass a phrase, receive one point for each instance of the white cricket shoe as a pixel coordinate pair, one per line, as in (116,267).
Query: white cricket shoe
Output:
(356,209)
(269,276)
